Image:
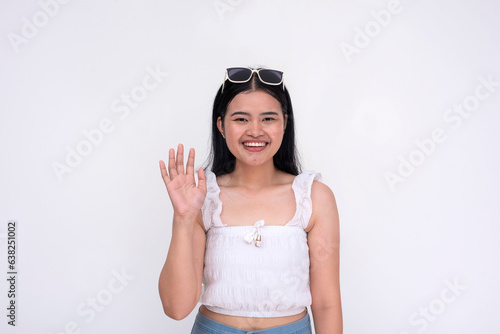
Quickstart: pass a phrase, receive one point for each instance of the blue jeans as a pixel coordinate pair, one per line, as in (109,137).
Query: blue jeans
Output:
(204,325)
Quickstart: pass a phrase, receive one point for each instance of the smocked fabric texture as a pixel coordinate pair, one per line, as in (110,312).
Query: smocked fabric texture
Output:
(257,270)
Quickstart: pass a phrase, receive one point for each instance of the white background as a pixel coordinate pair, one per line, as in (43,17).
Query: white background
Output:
(358,114)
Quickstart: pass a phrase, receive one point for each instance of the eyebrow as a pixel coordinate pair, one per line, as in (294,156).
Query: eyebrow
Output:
(266,113)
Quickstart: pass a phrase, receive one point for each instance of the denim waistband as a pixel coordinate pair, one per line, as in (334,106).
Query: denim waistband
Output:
(204,325)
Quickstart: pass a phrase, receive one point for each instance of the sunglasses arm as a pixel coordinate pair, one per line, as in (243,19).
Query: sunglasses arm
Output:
(224,81)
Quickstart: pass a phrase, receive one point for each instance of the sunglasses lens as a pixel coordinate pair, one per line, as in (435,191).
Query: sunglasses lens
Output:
(271,76)
(239,73)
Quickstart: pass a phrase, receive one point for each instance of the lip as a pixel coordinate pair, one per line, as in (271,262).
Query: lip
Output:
(255,148)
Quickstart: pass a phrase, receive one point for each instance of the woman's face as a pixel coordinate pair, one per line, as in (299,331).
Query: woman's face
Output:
(253,126)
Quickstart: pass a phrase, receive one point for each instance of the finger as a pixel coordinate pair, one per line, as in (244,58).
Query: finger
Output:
(171,162)
(179,161)
(202,180)
(164,173)
(190,163)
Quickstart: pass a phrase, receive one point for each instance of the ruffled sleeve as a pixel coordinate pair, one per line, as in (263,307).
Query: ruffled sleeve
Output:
(302,188)
(213,206)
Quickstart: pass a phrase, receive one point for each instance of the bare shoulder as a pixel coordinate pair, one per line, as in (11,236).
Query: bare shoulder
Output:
(322,195)
(324,205)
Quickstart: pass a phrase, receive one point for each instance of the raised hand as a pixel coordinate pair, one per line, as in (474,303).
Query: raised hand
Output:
(187,198)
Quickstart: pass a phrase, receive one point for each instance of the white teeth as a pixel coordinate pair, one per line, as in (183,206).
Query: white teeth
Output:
(254,144)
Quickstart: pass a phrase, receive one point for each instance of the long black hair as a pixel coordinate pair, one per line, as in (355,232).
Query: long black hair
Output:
(221,161)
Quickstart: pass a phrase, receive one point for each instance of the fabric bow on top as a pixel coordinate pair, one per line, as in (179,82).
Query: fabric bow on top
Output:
(254,236)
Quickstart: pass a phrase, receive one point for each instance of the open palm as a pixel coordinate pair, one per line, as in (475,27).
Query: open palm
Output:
(187,198)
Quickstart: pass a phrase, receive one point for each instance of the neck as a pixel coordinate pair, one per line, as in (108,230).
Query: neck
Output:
(254,176)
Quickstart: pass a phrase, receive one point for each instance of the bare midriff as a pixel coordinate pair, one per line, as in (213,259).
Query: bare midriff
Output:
(248,323)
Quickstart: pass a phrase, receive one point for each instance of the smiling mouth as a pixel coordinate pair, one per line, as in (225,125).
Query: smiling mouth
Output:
(254,144)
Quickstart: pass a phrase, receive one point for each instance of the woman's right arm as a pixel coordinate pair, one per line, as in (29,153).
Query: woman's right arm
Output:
(181,276)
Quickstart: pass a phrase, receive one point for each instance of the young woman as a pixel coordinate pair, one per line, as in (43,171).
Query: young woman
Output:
(259,235)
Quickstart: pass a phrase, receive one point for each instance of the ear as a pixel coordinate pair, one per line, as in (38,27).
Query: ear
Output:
(220,126)
(286,121)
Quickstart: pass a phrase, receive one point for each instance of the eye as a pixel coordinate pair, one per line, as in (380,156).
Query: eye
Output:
(241,119)
(269,119)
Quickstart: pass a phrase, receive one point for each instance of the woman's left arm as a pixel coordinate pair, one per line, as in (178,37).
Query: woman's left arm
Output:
(323,240)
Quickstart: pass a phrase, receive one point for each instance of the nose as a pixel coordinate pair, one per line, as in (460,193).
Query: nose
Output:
(254,128)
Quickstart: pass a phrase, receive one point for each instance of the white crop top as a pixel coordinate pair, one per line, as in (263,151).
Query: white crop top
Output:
(259,270)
